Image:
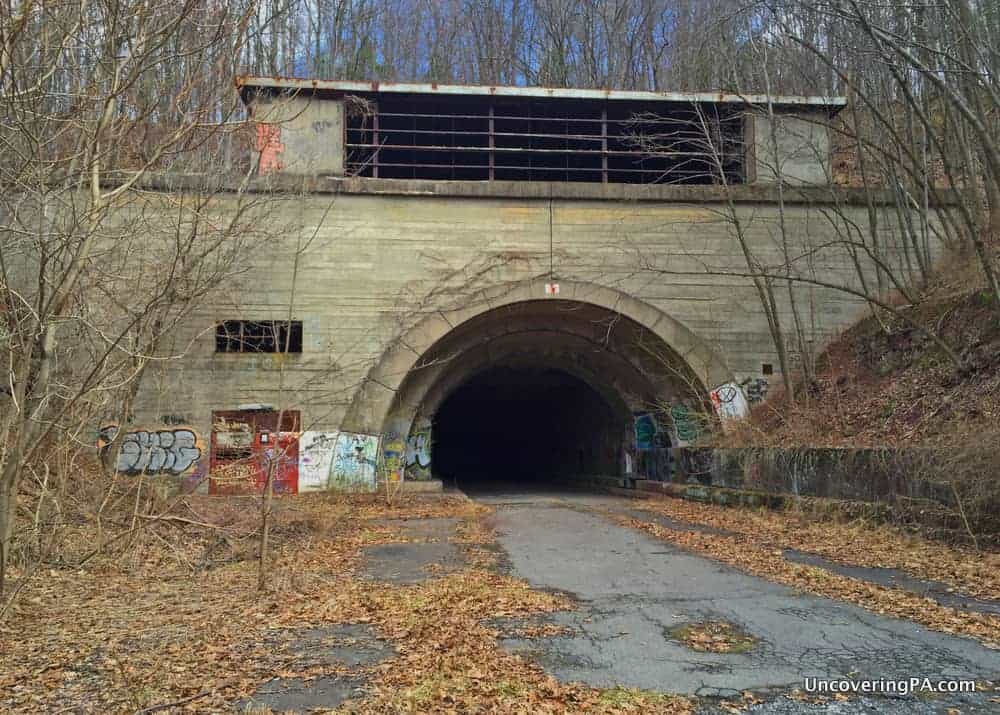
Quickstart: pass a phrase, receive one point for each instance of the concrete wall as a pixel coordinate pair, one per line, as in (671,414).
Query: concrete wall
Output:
(380,257)
(299,135)
(949,490)
(795,148)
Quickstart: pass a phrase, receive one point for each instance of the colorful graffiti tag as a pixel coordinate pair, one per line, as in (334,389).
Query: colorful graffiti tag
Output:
(645,431)
(652,449)
(354,462)
(755,388)
(418,450)
(418,454)
(394,457)
(172,452)
(730,402)
(316,454)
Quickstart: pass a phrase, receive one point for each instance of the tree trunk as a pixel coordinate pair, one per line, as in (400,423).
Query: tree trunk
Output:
(265,522)
(8,509)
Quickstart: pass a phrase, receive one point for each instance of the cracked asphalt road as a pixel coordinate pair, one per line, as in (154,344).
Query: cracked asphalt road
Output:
(633,589)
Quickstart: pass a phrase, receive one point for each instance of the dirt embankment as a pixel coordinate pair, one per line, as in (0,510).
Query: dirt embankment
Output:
(886,383)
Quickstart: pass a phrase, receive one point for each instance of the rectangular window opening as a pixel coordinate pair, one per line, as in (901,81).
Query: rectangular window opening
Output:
(258,336)
(530,139)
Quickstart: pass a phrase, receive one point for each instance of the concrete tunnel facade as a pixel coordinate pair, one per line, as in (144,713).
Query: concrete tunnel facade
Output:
(425,341)
(553,383)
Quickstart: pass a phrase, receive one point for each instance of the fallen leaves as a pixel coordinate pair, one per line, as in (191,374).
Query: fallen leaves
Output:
(755,557)
(156,631)
(714,637)
(854,543)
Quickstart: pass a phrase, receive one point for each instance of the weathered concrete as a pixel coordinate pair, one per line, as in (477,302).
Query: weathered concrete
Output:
(894,578)
(297,695)
(388,274)
(299,134)
(791,149)
(346,644)
(634,590)
(342,646)
(299,184)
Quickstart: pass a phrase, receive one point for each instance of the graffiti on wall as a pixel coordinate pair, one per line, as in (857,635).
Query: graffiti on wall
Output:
(173,452)
(645,431)
(316,453)
(652,448)
(394,457)
(755,388)
(418,453)
(354,462)
(686,425)
(270,147)
(730,402)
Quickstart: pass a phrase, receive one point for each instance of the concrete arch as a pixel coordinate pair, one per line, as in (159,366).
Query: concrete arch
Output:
(372,404)
(478,360)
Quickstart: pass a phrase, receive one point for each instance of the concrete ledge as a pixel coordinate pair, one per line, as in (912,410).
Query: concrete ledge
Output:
(429,486)
(541,190)
(712,495)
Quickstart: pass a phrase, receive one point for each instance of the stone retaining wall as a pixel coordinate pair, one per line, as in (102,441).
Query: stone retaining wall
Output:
(952,490)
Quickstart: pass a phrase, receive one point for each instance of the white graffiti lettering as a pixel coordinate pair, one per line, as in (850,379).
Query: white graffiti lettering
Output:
(418,450)
(172,451)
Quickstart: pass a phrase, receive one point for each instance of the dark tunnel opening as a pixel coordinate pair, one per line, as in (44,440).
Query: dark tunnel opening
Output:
(525,428)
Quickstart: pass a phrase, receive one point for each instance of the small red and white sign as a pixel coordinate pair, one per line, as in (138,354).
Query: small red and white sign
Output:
(551,289)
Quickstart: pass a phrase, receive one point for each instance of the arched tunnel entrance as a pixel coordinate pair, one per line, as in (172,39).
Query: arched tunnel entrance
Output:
(525,427)
(541,392)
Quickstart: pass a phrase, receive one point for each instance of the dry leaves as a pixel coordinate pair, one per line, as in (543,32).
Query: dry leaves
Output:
(758,558)
(166,629)
(857,544)
(714,637)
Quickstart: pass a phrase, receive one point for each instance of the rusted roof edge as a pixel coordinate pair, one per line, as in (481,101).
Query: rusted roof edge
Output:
(297,84)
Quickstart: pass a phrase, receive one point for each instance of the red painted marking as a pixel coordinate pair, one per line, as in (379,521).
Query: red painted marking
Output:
(270,147)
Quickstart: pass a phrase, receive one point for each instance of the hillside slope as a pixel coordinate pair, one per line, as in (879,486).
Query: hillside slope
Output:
(888,384)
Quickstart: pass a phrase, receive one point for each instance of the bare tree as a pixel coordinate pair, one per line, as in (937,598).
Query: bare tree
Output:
(94,270)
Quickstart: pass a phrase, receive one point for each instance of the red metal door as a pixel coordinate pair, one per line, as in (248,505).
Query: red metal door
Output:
(280,451)
(244,445)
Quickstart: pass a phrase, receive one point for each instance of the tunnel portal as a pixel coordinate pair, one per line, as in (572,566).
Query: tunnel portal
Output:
(525,426)
(542,392)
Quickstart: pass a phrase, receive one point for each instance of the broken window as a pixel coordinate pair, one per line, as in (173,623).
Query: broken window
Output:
(258,336)
(530,139)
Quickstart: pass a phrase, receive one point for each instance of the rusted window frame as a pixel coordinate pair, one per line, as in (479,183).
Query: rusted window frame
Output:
(224,336)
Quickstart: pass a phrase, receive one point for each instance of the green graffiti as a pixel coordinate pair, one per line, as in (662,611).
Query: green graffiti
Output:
(685,423)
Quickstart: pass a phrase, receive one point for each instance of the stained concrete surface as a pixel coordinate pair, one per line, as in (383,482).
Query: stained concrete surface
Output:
(423,552)
(299,695)
(347,644)
(633,590)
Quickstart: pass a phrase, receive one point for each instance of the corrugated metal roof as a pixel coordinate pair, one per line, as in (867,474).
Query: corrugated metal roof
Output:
(326,85)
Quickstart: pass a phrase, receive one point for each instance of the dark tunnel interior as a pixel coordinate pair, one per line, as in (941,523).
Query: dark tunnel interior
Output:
(524,428)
